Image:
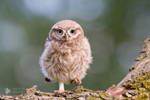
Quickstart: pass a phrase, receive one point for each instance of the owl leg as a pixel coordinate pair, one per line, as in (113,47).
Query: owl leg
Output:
(61,87)
(78,82)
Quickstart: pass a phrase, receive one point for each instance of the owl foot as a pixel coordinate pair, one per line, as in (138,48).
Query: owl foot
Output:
(59,91)
(76,81)
(47,79)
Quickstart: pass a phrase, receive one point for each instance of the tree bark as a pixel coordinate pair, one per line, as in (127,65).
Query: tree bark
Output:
(135,85)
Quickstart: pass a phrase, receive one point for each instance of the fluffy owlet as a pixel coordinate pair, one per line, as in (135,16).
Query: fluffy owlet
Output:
(67,54)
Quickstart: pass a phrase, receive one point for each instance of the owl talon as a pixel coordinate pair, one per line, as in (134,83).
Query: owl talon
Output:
(47,79)
(76,81)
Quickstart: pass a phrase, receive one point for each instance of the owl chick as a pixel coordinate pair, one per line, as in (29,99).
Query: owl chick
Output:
(67,54)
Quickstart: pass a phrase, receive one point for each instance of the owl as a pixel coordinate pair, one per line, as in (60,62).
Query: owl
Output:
(67,54)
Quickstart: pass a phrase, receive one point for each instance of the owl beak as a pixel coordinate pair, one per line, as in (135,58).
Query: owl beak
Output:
(66,37)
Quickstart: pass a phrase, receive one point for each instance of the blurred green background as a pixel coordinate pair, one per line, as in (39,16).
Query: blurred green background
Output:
(116,30)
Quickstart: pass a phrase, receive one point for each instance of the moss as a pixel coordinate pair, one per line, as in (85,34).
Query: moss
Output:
(81,89)
(143,96)
(103,95)
(139,59)
(142,86)
(93,98)
(139,81)
(146,85)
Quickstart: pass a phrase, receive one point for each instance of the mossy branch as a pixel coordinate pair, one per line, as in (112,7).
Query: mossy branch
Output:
(135,86)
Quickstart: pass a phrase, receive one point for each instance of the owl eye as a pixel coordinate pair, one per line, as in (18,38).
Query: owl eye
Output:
(60,32)
(72,31)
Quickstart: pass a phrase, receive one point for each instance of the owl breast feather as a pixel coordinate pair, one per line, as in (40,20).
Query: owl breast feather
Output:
(66,62)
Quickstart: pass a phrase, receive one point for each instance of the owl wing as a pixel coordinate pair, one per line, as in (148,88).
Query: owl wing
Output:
(88,49)
(44,57)
(47,41)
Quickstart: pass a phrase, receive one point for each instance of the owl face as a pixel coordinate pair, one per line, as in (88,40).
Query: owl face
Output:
(66,30)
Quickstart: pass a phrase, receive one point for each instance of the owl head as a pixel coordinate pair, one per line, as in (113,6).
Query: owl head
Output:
(66,30)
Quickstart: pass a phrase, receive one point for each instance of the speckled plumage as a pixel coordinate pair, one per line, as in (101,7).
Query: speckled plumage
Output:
(67,53)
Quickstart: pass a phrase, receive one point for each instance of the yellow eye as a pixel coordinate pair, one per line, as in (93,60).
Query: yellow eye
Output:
(60,32)
(72,31)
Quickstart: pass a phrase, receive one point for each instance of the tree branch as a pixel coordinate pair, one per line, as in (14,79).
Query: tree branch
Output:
(135,86)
